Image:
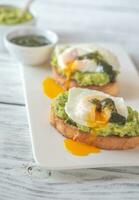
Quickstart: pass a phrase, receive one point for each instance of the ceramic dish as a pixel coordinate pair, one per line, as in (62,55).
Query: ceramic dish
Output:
(4,28)
(30,55)
(48,148)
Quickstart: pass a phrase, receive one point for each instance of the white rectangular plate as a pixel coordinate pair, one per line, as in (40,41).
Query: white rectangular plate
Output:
(47,143)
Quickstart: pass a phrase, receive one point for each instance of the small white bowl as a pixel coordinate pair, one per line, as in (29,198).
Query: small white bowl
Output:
(4,28)
(30,55)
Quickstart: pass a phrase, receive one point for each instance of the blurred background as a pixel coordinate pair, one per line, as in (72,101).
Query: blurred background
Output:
(89,20)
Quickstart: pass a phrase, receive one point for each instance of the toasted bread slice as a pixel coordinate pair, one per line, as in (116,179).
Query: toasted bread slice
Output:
(109,142)
(110,88)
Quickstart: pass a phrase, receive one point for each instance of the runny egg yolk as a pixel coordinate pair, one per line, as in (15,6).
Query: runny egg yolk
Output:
(79,149)
(51,88)
(97,119)
(69,69)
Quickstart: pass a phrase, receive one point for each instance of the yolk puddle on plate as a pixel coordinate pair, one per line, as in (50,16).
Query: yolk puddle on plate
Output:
(79,149)
(51,88)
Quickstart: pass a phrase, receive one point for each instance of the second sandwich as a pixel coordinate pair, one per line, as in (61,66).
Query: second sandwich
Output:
(85,66)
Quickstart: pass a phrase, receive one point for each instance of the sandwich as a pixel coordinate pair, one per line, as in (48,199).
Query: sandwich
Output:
(95,118)
(86,66)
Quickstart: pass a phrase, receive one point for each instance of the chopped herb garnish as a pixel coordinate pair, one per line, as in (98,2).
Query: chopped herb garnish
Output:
(109,103)
(117,118)
(98,58)
(97,103)
(91,56)
(108,69)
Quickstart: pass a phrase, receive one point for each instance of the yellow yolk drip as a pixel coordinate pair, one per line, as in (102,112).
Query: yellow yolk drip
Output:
(69,69)
(97,119)
(51,88)
(79,149)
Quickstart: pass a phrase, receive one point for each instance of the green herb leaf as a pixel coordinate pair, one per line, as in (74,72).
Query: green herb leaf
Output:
(98,58)
(108,103)
(117,118)
(97,103)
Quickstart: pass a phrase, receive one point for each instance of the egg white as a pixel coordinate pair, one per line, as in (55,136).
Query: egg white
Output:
(77,106)
(70,54)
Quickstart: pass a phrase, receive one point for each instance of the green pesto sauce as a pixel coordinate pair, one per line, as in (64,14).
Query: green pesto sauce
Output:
(10,15)
(30,40)
(85,78)
(130,128)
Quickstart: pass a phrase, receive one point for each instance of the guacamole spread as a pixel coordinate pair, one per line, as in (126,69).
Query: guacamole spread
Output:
(130,128)
(11,15)
(88,78)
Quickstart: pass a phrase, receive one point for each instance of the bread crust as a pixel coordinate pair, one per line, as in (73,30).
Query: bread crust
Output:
(108,142)
(110,88)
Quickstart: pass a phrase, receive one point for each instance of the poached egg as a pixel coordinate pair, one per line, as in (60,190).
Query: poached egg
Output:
(71,54)
(80,109)
(69,62)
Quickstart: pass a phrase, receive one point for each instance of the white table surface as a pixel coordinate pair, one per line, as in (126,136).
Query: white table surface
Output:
(20,177)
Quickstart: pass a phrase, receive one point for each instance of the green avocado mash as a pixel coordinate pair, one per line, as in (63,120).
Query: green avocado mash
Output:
(88,78)
(85,78)
(11,15)
(130,128)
